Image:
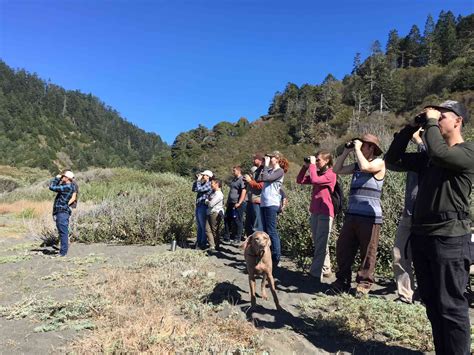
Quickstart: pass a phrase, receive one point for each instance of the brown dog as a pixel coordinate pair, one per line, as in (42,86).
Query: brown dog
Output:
(258,258)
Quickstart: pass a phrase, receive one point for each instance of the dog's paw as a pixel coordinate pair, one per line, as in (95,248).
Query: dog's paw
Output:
(265,296)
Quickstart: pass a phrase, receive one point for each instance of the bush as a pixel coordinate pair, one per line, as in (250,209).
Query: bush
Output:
(295,231)
(156,209)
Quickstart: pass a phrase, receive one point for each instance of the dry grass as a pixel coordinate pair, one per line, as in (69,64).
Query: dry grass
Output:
(158,307)
(17,207)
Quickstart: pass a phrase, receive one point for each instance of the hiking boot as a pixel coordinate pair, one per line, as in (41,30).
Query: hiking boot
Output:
(338,287)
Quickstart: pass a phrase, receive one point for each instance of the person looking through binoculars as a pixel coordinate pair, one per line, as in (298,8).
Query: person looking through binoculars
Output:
(363,218)
(440,236)
(317,171)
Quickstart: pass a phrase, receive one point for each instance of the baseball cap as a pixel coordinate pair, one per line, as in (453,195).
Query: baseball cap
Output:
(208,173)
(456,107)
(69,174)
(275,153)
(258,156)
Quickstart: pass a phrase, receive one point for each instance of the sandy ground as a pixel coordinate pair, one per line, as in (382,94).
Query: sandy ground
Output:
(284,332)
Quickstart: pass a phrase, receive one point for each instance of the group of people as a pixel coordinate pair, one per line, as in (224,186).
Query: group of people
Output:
(257,195)
(434,233)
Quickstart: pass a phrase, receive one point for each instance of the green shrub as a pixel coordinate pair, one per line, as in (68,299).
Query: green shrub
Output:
(156,210)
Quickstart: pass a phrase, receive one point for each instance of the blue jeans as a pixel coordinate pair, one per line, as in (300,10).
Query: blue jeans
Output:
(201,225)
(269,221)
(253,220)
(442,272)
(62,223)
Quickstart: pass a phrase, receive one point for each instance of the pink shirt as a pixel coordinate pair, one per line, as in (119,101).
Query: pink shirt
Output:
(321,202)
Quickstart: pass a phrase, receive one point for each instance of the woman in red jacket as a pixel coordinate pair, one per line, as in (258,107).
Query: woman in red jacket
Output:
(318,172)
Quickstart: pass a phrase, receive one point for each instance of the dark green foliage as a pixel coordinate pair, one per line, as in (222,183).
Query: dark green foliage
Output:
(45,126)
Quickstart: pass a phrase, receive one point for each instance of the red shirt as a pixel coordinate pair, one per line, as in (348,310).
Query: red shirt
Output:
(323,185)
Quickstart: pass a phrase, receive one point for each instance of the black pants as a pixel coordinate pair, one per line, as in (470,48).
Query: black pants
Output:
(442,272)
(234,221)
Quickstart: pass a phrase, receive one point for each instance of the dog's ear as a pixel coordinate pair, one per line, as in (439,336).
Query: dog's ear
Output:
(269,241)
(246,241)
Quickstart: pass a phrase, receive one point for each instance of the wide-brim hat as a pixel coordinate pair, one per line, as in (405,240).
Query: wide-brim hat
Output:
(207,173)
(454,106)
(370,138)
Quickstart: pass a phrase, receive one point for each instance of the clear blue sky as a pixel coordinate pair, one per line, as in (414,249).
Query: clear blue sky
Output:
(168,66)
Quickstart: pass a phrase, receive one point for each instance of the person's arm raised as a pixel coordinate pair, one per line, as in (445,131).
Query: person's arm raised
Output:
(339,167)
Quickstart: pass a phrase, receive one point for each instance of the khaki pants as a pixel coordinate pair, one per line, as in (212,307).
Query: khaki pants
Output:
(320,230)
(213,223)
(402,264)
(357,233)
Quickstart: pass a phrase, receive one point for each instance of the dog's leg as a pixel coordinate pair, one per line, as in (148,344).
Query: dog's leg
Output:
(252,283)
(264,284)
(273,289)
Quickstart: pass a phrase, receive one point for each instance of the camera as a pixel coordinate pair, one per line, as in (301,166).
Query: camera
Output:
(307,159)
(349,145)
(421,118)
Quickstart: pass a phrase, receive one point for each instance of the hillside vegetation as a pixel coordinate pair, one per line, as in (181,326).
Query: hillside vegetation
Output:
(380,94)
(45,126)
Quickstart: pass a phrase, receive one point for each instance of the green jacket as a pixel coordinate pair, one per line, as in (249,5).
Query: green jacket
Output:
(446,175)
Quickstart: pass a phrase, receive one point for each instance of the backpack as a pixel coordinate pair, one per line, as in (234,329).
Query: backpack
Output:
(76,191)
(337,197)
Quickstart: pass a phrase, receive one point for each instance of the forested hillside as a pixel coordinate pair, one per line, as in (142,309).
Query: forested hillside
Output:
(379,94)
(43,125)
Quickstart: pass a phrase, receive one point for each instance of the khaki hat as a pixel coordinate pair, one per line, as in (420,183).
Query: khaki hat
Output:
(207,173)
(370,138)
(275,153)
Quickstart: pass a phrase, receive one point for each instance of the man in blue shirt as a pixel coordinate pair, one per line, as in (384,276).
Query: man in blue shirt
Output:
(62,185)
(202,186)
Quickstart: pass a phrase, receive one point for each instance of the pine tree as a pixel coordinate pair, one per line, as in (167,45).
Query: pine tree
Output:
(430,49)
(392,49)
(445,36)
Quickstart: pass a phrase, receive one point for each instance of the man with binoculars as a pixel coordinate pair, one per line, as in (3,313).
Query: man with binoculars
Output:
(441,226)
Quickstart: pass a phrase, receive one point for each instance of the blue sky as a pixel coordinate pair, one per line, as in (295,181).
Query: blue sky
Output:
(168,66)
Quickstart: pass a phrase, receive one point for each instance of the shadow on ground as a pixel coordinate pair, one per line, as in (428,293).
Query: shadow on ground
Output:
(325,335)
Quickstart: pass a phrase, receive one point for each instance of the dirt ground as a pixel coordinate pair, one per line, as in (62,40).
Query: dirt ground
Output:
(28,276)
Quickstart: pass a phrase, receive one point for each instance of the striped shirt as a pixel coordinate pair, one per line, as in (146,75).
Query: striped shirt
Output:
(364,197)
(64,194)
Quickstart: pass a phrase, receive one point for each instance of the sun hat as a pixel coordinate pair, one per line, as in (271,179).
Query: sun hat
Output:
(207,173)
(454,106)
(69,174)
(370,138)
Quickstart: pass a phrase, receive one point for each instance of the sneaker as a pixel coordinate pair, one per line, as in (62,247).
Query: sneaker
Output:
(361,291)
(327,274)
(401,299)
